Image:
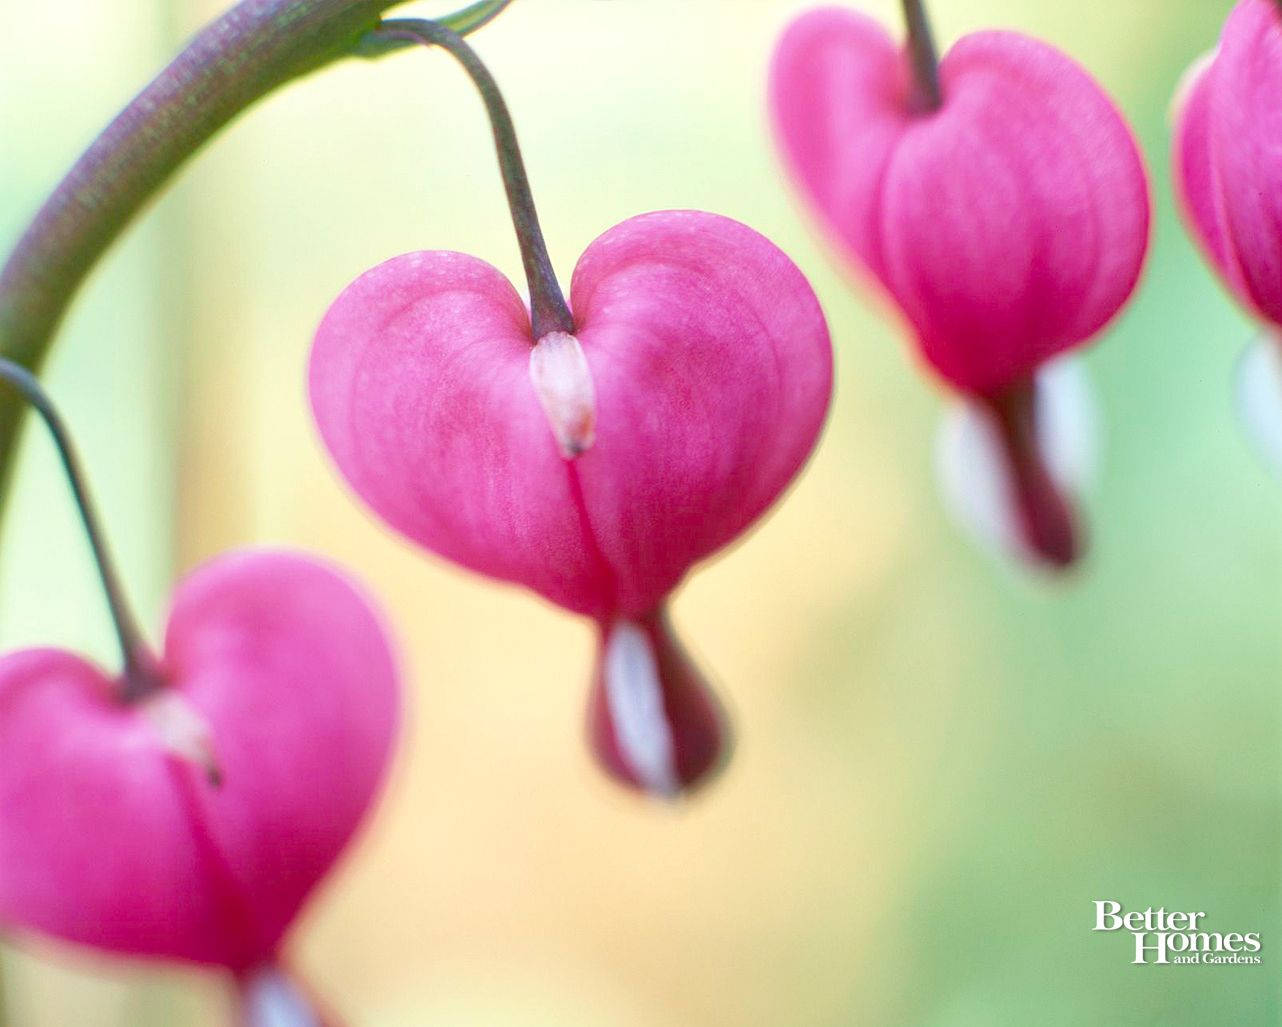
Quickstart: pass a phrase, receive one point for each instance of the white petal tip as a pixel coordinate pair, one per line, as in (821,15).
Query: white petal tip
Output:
(971,467)
(1259,398)
(183,732)
(563,384)
(634,697)
(270,999)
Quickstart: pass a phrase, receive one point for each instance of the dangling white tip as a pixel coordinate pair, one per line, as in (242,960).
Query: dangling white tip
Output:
(1259,398)
(271,1000)
(182,731)
(973,474)
(634,697)
(563,384)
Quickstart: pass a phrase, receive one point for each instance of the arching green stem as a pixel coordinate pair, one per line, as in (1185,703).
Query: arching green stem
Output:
(140,668)
(548,310)
(251,50)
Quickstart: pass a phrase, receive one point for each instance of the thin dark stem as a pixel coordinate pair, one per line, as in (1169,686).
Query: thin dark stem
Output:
(927,94)
(548,310)
(250,51)
(140,671)
(1044,515)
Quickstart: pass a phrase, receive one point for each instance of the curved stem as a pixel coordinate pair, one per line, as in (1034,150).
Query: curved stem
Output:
(140,671)
(548,310)
(927,93)
(256,47)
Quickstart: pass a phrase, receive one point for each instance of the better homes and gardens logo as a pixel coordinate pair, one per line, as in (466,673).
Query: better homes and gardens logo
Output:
(1175,937)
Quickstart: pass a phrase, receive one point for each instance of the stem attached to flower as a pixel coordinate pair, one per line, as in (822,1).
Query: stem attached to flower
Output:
(253,49)
(1044,515)
(928,96)
(141,671)
(548,310)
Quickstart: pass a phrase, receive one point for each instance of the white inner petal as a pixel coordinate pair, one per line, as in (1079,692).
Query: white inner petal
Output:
(634,696)
(182,730)
(271,1000)
(971,464)
(563,383)
(1259,398)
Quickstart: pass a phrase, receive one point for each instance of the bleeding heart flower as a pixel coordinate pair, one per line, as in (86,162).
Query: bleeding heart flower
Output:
(278,683)
(692,390)
(1001,203)
(594,450)
(1228,179)
(1228,131)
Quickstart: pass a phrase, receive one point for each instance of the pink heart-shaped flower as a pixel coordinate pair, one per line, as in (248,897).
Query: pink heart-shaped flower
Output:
(594,468)
(285,674)
(1008,225)
(1228,131)
(711,366)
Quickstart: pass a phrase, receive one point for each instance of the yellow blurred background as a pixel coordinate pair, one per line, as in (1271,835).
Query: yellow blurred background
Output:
(940,761)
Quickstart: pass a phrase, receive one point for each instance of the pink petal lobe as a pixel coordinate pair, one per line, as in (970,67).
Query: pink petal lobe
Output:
(291,669)
(420,385)
(713,371)
(95,846)
(1242,137)
(838,98)
(1016,220)
(1194,174)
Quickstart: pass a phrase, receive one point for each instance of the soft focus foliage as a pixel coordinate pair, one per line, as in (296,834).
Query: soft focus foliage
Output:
(939,765)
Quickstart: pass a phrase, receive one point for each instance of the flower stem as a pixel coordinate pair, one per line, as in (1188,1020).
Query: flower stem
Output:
(141,671)
(928,96)
(1044,515)
(548,310)
(256,47)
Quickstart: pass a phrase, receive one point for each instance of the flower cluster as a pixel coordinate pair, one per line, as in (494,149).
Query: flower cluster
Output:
(595,447)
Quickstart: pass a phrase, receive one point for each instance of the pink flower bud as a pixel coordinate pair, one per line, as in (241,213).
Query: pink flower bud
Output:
(1228,176)
(112,834)
(1009,225)
(699,369)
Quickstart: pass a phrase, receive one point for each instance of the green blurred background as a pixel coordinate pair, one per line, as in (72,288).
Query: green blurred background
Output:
(941,762)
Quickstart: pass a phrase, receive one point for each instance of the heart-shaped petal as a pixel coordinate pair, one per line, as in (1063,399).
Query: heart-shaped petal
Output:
(1228,129)
(711,373)
(1009,225)
(109,839)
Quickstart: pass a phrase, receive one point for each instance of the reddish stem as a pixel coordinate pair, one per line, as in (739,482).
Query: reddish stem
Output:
(1045,517)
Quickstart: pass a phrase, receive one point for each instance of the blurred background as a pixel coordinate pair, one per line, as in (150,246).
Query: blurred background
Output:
(941,762)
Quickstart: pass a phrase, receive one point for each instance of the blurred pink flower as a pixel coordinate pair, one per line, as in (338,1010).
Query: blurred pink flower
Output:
(280,681)
(1009,225)
(1228,137)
